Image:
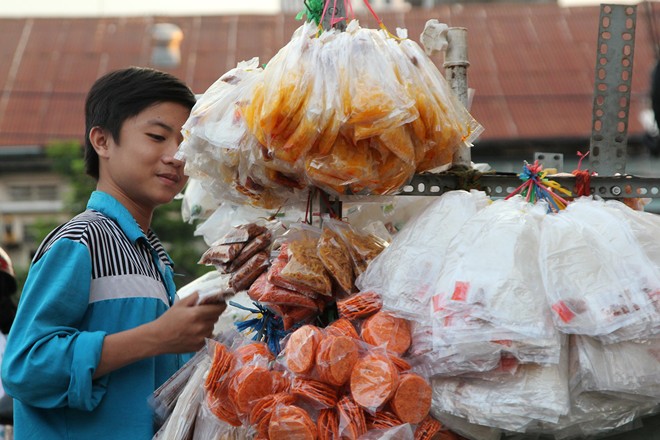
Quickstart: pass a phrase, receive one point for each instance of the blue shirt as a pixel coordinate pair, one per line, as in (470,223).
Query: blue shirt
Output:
(95,275)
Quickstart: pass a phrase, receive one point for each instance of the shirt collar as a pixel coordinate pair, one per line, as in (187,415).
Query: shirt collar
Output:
(110,207)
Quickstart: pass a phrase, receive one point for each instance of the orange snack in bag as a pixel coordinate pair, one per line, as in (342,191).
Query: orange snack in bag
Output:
(223,409)
(301,349)
(383,328)
(327,423)
(281,382)
(217,383)
(373,381)
(382,420)
(429,428)
(247,352)
(264,291)
(336,259)
(263,409)
(401,364)
(248,385)
(291,423)
(319,393)
(335,358)
(342,327)
(360,306)
(352,422)
(412,400)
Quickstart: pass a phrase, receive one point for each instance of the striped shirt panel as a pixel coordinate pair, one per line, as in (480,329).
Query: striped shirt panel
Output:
(113,255)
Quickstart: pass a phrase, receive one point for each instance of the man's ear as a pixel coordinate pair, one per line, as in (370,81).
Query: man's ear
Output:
(100,140)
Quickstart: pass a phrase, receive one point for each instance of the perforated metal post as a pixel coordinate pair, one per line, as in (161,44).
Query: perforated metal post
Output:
(335,10)
(613,79)
(456,64)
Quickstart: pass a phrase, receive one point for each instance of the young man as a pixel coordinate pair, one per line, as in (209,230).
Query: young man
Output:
(97,328)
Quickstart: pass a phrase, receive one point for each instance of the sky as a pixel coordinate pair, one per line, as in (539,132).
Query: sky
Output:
(31,8)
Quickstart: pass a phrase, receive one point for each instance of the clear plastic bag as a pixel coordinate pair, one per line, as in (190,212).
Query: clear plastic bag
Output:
(598,279)
(491,276)
(181,422)
(534,393)
(404,273)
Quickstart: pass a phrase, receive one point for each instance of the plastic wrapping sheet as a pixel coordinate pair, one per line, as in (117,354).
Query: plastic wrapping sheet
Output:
(180,424)
(405,272)
(594,413)
(625,367)
(533,394)
(598,279)
(197,203)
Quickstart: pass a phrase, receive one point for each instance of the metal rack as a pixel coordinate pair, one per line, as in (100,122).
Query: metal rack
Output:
(611,105)
(609,135)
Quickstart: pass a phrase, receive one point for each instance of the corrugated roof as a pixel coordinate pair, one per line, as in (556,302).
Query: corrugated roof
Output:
(532,66)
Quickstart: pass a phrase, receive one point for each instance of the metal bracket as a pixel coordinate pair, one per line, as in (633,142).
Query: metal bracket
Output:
(502,184)
(613,80)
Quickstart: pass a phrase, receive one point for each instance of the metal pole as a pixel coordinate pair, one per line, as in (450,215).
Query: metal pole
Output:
(612,84)
(335,9)
(456,64)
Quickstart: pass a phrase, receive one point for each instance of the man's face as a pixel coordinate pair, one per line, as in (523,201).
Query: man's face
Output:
(140,168)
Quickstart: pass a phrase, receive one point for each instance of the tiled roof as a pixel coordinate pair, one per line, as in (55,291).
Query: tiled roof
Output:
(532,66)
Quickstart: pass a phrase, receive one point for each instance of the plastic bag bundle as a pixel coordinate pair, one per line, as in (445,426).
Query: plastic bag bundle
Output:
(313,116)
(625,367)
(180,424)
(491,274)
(221,152)
(598,413)
(534,393)
(405,272)
(598,278)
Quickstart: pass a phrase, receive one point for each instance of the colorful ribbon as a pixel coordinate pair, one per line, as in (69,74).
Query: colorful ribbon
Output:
(536,187)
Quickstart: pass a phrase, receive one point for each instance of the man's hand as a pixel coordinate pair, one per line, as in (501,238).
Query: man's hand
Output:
(182,329)
(186,325)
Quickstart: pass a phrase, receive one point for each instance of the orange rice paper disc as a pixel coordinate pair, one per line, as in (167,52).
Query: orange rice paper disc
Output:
(263,409)
(301,348)
(360,306)
(318,394)
(291,423)
(223,409)
(248,385)
(352,422)
(383,328)
(430,429)
(401,364)
(382,420)
(327,424)
(246,353)
(373,381)
(281,381)
(412,399)
(342,327)
(335,359)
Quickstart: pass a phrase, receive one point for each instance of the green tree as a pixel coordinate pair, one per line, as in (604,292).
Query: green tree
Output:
(67,158)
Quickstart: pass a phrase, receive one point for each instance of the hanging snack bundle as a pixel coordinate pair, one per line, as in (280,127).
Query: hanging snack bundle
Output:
(314,116)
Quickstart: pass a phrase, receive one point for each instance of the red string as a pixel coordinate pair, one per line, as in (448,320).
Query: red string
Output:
(582,182)
(582,177)
(366,2)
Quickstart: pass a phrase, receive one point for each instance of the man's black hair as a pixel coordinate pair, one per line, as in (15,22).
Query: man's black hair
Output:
(123,94)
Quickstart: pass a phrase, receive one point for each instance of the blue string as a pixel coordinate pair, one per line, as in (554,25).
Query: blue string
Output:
(269,328)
